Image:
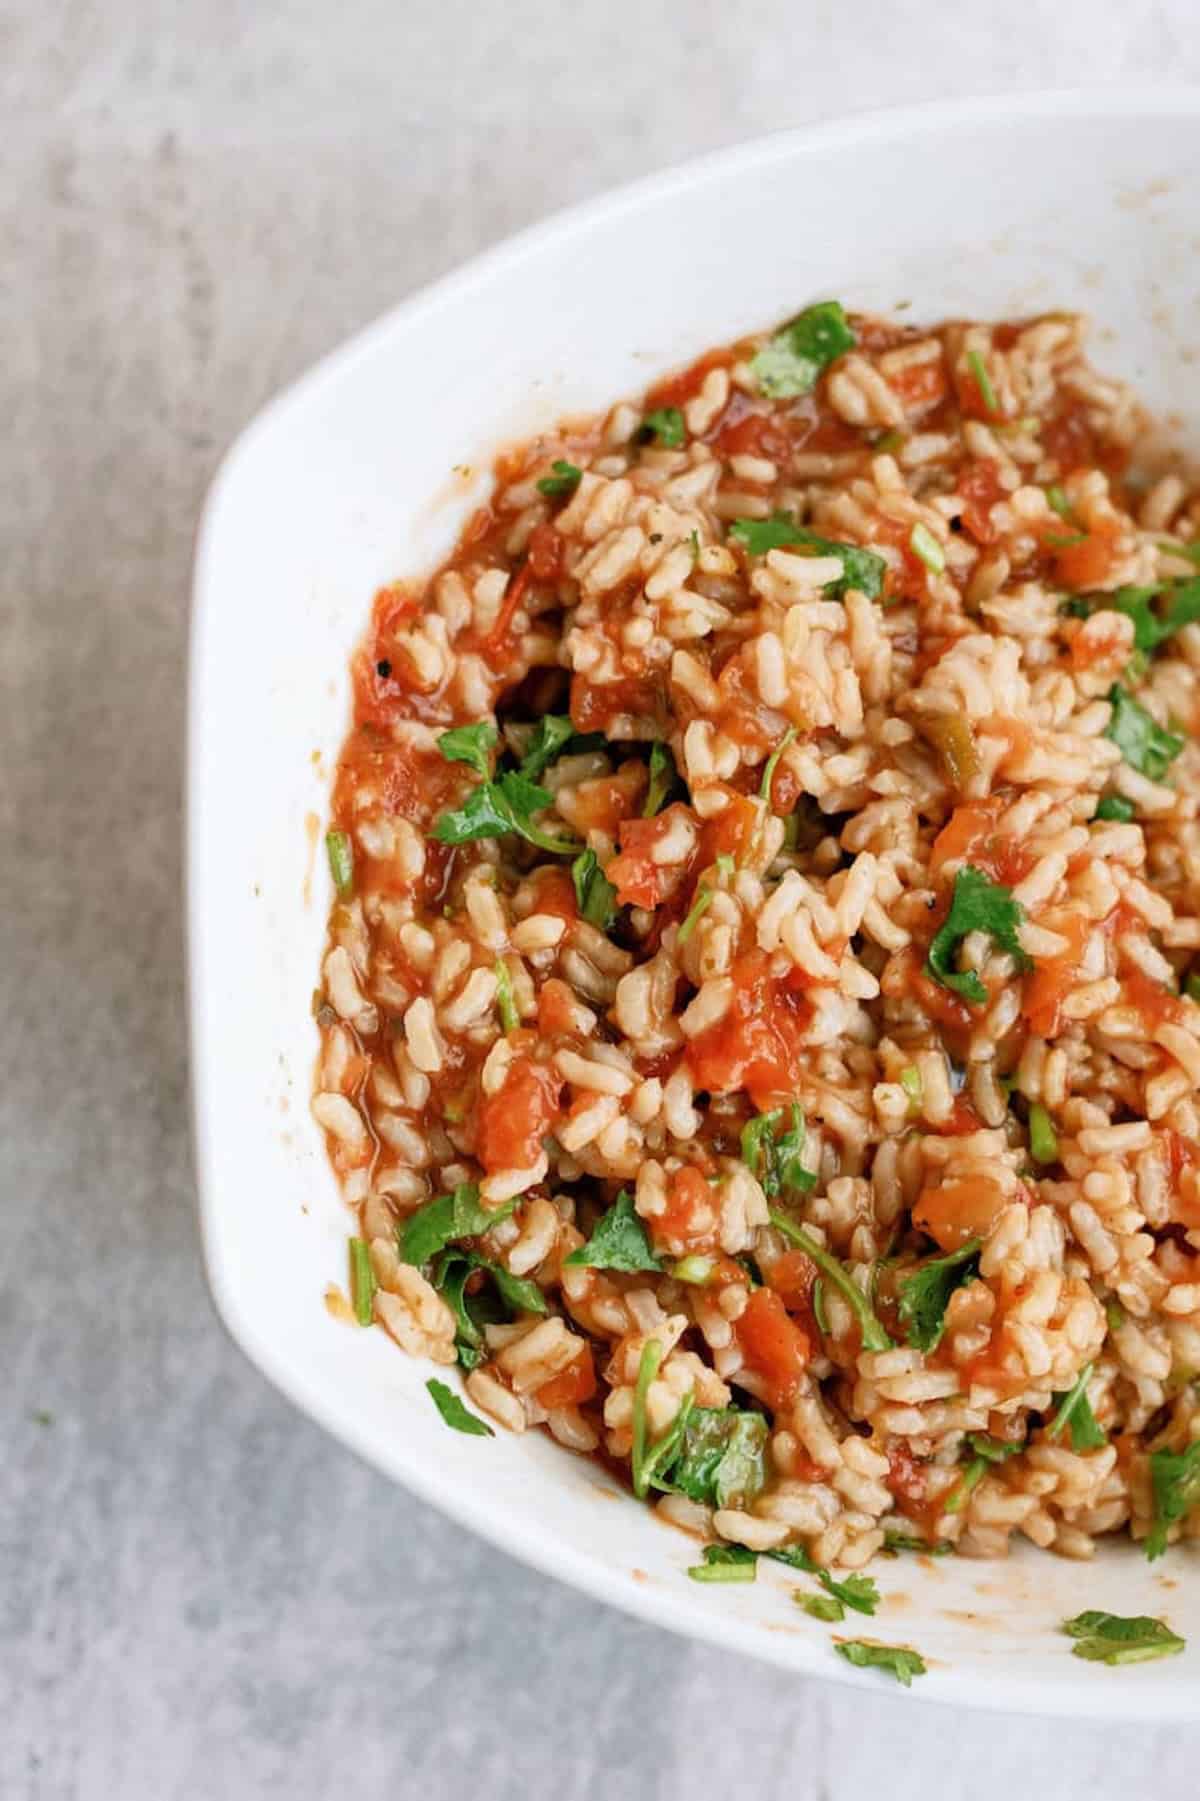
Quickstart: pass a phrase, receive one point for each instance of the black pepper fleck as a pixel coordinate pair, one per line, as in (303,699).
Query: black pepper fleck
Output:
(383,668)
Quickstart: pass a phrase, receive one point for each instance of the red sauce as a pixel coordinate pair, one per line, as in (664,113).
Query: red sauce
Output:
(980,486)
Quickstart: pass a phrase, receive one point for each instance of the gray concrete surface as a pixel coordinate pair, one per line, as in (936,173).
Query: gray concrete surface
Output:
(200,1596)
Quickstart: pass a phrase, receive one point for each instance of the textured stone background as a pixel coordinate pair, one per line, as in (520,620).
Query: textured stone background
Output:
(200,1596)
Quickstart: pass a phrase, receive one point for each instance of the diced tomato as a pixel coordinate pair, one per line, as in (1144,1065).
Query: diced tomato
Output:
(556,1008)
(792,1276)
(963,1119)
(958,1211)
(773,1345)
(1084,561)
(1068,439)
(594,705)
(637,878)
(1054,977)
(757,1046)
(1100,640)
(555,894)
(730,832)
(601,803)
(742,716)
(744,431)
(545,550)
(980,486)
(1156,1004)
(514,1120)
(573,1386)
(970,834)
(941,1004)
(690,1218)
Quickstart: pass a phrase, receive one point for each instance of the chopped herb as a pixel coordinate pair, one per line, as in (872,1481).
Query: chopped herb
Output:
(1114,1313)
(791,361)
(874,1336)
(924,1297)
(619,1241)
(978,905)
(726,866)
(662,778)
(984,1450)
(1056,498)
(444,1221)
(818,1307)
(470,744)
(820,1607)
(697,909)
(772,764)
(1076,608)
(725,1563)
(696,1271)
(362,1281)
(1043,1139)
(887,442)
(900,1660)
(857,1592)
(594,892)
(1113,1638)
(340,851)
(1145,745)
(553,733)
(1115,806)
(895,1542)
(666,424)
(507,1296)
(647,1370)
(455,1413)
(861,569)
(775,1158)
(564,479)
(983,381)
(1075,1411)
(510,1019)
(1150,629)
(910,1081)
(1191,986)
(1175,1483)
(927,547)
(495,808)
(722,1457)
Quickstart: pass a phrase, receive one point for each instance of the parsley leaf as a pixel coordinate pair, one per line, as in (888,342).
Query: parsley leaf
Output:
(470,744)
(1114,1638)
(488,1305)
(663,776)
(861,569)
(900,1660)
(1075,1410)
(1175,1483)
(444,1221)
(564,480)
(725,1563)
(497,807)
(774,1158)
(874,1336)
(722,1457)
(455,1413)
(978,905)
(1145,745)
(924,1296)
(792,360)
(665,424)
(594,892)
(1150,629)
(619,1241)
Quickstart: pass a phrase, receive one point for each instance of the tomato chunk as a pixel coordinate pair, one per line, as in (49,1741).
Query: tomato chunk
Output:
(572,1386)
(958,1211)
(773,1345)
(757,1046)
(513,1121)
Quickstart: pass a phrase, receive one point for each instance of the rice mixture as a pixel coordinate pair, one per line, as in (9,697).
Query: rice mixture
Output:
(760,1028)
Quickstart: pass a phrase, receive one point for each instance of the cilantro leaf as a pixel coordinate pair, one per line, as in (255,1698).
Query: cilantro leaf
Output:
(1075,1411)
(725,1563)
(444,1221)
(1114,806)
(1145,745)
(820,1607)
(857,1592)
(472,1312)
(978,905)
(665,424)
(564,480)
(594,892)
(1175,1484)
(861,569)
(1150,629)
(1114,1638)
(470,744)
(663,776)
(774,1158)
(552,733)
(984,1450)
(455,1413)
(791,361)
(924,1296)
(874,1335)
(722,1457)
(900,1660)
(501,806)
(619,1241)
(647,1462)
(895,1542)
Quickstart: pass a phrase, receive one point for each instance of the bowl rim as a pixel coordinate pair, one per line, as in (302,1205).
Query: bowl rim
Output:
(517,1532)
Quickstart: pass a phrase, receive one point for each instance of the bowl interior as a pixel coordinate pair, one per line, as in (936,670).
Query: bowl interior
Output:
(363,473)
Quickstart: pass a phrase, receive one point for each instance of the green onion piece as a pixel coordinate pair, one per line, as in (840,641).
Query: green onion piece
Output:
(565,479)
(1056,498)
(874,1337)
(927,547)
(968,1482)
(725,865)
(510,1019)
(647,1370)
(340,852)
(1043,1139)
(362,1281)
(699,906)
(695,1270)
(772,764)
(1115,806)
(983,381)
(910,1081)
(1114,1313)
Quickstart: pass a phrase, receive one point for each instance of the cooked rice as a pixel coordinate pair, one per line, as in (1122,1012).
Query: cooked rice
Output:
(476,1029)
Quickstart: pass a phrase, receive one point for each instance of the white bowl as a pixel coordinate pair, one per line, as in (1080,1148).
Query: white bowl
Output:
(984,208)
